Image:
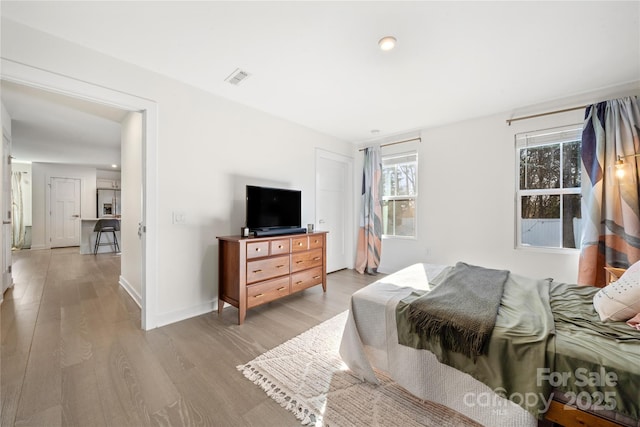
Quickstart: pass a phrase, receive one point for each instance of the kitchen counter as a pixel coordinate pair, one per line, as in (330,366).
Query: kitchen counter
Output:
(88,237)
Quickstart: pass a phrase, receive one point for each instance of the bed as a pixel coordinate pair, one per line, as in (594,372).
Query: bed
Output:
(370,343)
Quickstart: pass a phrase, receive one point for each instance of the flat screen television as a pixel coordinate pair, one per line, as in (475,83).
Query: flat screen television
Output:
(273,208)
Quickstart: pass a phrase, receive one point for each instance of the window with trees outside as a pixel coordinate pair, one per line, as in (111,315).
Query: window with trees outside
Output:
(399,194)
(548,189)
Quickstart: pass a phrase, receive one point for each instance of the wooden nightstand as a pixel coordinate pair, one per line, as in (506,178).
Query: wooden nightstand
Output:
(613,273)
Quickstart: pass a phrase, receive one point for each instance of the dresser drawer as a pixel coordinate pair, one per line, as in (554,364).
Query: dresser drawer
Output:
(267,268)
(308,259)
(279,247)
(270,290)
(306,279)
(299,244)
(316,242)
(257,249)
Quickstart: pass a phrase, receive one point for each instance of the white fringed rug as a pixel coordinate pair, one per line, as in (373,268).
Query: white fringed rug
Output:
(307,377)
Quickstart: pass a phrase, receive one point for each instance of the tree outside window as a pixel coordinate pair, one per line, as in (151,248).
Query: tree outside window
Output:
(549,200)
(399,193)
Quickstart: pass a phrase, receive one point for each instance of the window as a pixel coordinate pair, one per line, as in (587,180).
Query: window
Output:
(548,190)
(399,194)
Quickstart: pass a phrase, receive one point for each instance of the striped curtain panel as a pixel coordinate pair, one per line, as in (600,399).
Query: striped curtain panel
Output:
(610,205)
(370,233)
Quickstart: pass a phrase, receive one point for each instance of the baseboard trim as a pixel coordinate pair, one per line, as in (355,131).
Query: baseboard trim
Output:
(132,292)
(187,313)
(174,316)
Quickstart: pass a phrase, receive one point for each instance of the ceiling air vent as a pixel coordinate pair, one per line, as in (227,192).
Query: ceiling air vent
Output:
(237,76)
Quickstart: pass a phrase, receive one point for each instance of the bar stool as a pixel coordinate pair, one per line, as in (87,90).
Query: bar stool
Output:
(106,226)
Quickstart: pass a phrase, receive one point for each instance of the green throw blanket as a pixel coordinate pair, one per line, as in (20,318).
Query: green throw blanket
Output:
(521,343)
(461,312)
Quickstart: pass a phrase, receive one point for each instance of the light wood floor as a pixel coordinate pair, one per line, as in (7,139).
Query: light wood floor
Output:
(73,354)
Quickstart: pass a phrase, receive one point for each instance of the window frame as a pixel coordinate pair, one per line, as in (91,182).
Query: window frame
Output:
(554,136)
(414,197)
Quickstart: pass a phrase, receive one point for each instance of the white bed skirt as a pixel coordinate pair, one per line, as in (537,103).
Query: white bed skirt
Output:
(370,340)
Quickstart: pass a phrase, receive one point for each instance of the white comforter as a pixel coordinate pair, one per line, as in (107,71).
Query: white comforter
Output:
(370,341)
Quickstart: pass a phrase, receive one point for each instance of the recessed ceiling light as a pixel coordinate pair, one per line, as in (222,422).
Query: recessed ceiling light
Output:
(387,43)
(114,166)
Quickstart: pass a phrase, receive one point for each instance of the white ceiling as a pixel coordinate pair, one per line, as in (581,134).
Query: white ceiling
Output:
(53,128)
(318,64)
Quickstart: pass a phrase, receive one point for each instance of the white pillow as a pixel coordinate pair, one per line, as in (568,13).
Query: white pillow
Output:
(620,300)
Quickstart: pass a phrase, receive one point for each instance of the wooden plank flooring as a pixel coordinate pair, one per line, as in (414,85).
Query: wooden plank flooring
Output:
(72,352)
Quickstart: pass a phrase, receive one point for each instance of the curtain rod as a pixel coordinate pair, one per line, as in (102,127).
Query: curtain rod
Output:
(545,114)
(419,139)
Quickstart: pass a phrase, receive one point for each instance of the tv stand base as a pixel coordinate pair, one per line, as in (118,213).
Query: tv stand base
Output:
(278,231)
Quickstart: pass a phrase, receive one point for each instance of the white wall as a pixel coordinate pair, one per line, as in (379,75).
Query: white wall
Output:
(131,184)
(42,174)
(5,238)
(208,148)
(104,174)
(467,179)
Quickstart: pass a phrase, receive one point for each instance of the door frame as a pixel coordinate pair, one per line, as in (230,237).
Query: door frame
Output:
(348,199)
(6,277)
(54,82)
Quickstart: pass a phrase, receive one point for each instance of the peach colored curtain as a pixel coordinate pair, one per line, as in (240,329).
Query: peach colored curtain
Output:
(610,206)
(370,232)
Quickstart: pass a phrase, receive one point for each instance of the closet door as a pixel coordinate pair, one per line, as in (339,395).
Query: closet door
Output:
(334,212)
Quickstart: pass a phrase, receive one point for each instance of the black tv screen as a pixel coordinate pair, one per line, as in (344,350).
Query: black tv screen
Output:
(273,207)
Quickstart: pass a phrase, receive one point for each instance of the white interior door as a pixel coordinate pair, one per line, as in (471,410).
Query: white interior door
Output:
(65,212)
(334,207)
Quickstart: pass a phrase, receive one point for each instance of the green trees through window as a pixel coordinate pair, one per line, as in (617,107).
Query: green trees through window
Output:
(549,201)
(399,192)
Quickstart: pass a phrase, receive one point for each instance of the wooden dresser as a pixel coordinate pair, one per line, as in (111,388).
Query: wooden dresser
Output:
(257,270)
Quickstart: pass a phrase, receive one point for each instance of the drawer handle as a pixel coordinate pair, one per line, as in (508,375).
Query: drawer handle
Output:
(279,246)
(299,243)
(316,277)
(279,266)
(315,241)
(257,271)
(282,288)
(299,262)
(299,282)
(317,258)
(257,249)
(259,296)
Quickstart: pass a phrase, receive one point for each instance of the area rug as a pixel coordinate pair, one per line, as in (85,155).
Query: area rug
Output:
(306,376)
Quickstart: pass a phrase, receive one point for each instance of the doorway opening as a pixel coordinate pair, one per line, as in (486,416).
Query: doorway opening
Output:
(146,112)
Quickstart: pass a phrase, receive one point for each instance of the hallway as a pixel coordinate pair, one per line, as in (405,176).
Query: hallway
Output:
(63,309)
